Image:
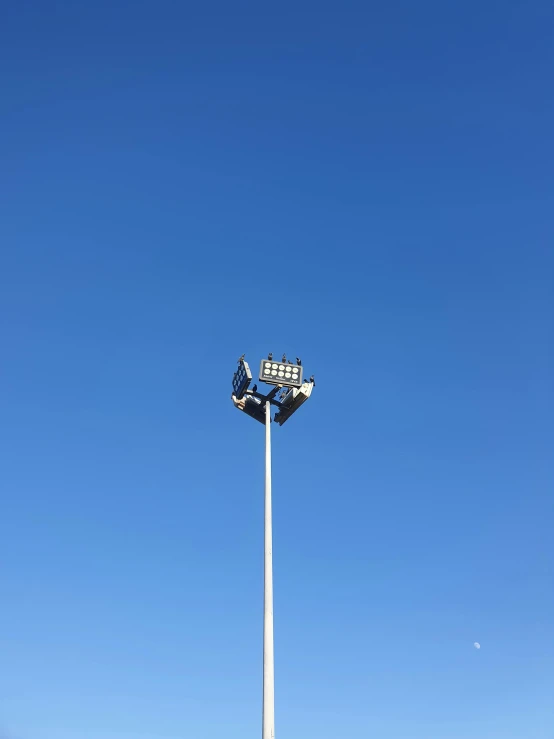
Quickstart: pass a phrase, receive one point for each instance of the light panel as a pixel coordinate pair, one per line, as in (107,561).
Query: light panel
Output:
(251,406)
(292,402)
(254,408)
(280,373)
(241,379)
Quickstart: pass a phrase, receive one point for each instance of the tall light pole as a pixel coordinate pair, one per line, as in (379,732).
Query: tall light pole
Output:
(286,379)
(268,713)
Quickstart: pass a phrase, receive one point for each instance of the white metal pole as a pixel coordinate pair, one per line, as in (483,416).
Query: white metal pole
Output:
(268,715)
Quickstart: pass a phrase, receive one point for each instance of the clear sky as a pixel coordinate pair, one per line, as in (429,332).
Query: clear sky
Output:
(367,185)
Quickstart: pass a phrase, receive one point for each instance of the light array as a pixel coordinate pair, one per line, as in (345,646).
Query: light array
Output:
(241,379)
(280,373)
(255,408)
(292,401)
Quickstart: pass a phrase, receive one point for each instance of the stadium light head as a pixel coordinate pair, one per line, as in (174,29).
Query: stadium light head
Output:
(251,406)
(292,401)
(281,373)
(241,379)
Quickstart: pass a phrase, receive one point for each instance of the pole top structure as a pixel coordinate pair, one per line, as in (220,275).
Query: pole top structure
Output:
(288,393)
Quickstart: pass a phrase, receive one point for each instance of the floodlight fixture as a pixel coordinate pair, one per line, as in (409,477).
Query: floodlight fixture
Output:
(292,401)
(252,406)
(281,373)
(241,379)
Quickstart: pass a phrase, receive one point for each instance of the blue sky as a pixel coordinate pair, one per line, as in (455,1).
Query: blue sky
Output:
(367,186)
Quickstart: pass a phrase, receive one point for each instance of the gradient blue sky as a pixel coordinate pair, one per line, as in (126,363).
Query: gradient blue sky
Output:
(368,186)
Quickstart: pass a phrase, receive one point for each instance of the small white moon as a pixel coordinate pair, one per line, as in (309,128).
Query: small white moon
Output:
(476,645)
